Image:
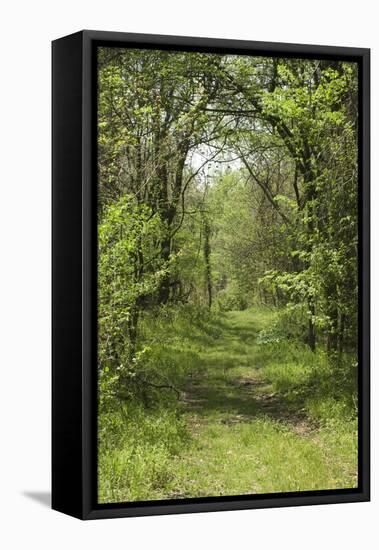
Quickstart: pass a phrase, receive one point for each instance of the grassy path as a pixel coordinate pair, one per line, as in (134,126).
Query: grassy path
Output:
(247,438)
(261,418)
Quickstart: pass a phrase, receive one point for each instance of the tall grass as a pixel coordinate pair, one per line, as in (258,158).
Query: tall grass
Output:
(138,441)
(324,391)
(136,448)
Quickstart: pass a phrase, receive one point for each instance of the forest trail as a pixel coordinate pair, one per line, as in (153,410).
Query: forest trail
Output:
(231,388)
(240,426)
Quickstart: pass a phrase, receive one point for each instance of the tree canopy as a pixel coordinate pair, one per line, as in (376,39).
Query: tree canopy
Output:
(241,181)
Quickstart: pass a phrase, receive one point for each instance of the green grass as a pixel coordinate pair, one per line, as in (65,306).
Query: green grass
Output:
(260,456)
(135,452)
(255,416)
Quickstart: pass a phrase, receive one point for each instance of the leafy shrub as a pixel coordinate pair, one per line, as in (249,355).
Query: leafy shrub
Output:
(270,335)
(292,322)
(232,300)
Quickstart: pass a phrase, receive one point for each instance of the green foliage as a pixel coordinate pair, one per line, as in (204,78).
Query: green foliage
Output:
(312,382)
(289,323)
(250,405)
(227,274)
(129,270)
(232,299)
(135,449)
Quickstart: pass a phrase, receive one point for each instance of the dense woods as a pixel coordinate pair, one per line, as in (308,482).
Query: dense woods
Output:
(227,272)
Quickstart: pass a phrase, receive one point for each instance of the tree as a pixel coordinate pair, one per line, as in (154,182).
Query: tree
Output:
(129,271)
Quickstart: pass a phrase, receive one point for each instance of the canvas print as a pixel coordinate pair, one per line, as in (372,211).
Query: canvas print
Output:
(227,280)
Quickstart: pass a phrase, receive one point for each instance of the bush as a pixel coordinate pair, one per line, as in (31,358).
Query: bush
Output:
(232,300)
(292,322)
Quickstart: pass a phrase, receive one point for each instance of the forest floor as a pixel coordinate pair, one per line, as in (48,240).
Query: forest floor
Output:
(247,437)
(253,417)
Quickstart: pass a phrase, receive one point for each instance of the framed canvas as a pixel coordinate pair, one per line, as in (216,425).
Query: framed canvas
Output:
(210,275)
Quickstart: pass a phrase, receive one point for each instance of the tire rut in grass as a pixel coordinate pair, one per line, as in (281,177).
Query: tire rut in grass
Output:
(224,395)
(241,400)
(274,405)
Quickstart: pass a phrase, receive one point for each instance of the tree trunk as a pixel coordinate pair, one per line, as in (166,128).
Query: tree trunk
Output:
(132,329)
(207,260)
(164,288)
(341,334)
(311,327)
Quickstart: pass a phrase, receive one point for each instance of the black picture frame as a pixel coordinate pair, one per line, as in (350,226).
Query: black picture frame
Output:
(74,275)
